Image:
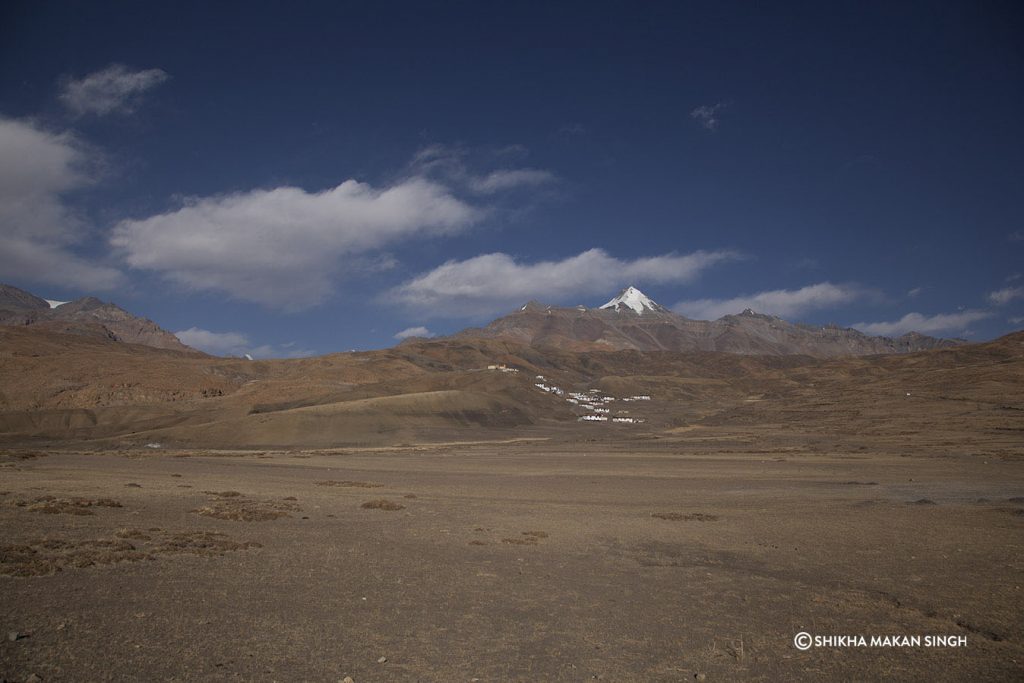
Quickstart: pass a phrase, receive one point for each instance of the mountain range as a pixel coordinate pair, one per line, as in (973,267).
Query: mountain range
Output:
(87,317)
(632,321)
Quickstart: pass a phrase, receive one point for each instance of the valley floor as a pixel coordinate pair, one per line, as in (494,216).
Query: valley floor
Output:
(701,553)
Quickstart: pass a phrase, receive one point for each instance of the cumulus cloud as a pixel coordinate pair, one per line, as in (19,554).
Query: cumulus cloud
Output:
(785,303)
(236,344)
(37,169)
(707,116)
(1004,296)
(284,247)
(925,324)
(491,283)
(113,90)
(414,332)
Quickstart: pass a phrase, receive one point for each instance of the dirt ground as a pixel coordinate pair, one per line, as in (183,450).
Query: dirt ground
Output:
(696,556)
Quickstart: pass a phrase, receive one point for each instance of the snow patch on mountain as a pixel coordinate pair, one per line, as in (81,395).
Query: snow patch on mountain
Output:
(635,300)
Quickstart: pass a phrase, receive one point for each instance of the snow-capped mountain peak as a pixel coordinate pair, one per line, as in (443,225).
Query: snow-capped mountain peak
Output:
(635,300)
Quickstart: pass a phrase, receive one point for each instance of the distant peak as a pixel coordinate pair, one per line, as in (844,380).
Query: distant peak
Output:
(750,313)
(533,305)
(635,300)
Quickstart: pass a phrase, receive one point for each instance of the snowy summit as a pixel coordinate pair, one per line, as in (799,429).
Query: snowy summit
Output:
(632,298)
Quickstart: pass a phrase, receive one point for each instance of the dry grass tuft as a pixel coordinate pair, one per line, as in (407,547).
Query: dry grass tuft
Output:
(350,484)
(237,508)
(382,504)
(680,517)
(529,540)
(52,505)
(21,455)
(48,556)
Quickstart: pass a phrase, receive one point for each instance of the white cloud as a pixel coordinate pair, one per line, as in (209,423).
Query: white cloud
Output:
(454,165)
(573,129)
(933,324)
(707,116)
(497,181)
(115,89)
(492,283)
(284,247)
(915,292)
(785,303)
(1016,321)
(1016,236)
(414,332)
(1004,296)
(217,343)
(236,344)
(37,169)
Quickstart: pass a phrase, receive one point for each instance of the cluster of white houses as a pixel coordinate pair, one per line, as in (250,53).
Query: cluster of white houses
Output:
(502,368)
(593,401)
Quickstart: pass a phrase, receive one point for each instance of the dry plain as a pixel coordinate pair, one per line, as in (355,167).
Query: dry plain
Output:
(476,531)
(659,559)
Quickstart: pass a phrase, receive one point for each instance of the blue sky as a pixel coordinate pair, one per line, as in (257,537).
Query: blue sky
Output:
(285,180)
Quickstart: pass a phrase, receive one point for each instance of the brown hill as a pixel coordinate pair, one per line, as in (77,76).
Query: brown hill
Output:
(88,317)
(59,387)
(651,327)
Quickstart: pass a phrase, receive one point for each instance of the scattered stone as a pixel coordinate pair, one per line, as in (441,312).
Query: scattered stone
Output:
(32,678)
(347,679)
(14,635)
(382,660)
(133,485)
(702,676)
